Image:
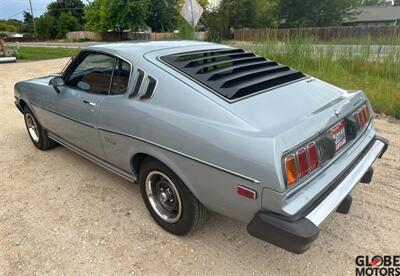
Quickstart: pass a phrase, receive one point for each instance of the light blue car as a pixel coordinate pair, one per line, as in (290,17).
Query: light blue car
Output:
(203,126)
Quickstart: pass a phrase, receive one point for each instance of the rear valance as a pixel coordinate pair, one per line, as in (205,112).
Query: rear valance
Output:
(232,73)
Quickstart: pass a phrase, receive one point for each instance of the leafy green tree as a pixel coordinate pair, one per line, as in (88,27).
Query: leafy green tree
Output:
(27,25)
(162,15)
(94,13)
(67,23)
(230,14)
(104,15)
(74,7)
(10,25)
(316,13)
(128,14)
(45,26)
(266,13)
(4,26)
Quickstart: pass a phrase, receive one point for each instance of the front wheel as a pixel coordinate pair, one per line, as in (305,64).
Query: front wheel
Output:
(36,132)
(171,204)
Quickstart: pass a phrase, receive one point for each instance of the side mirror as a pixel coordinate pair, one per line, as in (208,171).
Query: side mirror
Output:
(56,82)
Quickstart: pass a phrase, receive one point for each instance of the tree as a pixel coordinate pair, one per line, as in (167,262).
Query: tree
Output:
(104,15)
(27,25)
(94,15)
(128,14)
(316,13)
(162,15)
(266,13)
(10,25)
(230,14)
(67,23)
(74,7)
(45,26)
(4,26)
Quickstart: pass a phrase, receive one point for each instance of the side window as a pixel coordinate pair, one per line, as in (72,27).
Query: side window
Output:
(120,79)
(93,74)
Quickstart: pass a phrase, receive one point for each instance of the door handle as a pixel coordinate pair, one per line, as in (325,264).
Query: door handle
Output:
(89,103)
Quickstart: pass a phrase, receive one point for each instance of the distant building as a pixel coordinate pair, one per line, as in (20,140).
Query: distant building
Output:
(376,16)
(11,34)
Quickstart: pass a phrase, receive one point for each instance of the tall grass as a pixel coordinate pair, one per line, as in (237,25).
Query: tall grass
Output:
(373,69)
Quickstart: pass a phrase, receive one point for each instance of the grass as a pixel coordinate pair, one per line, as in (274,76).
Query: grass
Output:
(42,53)
(377,74)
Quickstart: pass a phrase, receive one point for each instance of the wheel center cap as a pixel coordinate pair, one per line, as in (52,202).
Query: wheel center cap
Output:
(164,197)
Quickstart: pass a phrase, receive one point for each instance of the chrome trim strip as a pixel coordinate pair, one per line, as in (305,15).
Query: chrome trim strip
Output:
(184,155)
(332,201)
(91,158)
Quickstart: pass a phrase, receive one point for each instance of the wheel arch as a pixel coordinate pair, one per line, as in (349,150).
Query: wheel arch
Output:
(21,105)
(139,157)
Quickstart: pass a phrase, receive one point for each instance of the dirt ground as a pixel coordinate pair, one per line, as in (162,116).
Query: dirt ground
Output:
(62,214)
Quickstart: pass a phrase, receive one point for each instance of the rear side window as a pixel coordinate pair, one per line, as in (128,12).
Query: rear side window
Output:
(120,80)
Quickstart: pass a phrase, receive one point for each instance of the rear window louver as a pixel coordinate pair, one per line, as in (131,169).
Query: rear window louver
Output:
(233,73)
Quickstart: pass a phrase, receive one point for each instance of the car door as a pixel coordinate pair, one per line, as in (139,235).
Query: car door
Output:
(87,83)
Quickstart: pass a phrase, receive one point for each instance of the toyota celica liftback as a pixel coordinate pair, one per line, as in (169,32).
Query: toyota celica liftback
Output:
(202,126)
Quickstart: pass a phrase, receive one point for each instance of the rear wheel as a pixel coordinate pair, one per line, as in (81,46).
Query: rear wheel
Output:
(36,132)
(171,204)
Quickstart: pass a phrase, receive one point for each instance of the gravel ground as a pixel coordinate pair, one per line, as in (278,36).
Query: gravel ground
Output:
(62,214)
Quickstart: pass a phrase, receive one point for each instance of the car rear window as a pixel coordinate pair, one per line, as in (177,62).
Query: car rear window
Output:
(233,73)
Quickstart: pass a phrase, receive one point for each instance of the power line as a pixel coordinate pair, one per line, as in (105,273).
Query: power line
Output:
(16,14)
(61,9)
(41,9)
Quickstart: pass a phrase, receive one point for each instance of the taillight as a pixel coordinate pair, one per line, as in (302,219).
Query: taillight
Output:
(366,113)
(363,116)
(291,170)
(303,162)
(314,160)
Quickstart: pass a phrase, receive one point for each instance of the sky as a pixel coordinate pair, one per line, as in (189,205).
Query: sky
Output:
(14,8)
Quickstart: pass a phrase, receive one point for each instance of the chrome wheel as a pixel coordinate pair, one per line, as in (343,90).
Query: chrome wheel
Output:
(163,196)
(32,127)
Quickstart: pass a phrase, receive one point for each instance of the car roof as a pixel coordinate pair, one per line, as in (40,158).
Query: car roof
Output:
(143,47)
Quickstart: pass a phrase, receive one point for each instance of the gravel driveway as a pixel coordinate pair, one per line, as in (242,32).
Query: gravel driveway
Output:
(62,214)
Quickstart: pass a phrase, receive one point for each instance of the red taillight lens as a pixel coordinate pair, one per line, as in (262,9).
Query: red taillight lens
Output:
(303,162)
(291,171)
(363,116)
(314,160)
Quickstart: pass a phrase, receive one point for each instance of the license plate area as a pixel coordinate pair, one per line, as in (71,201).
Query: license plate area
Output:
(338,133)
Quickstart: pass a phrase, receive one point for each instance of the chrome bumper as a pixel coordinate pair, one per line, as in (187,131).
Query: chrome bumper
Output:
(332,201)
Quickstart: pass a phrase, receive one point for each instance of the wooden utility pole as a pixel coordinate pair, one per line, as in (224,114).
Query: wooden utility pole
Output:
(33,20)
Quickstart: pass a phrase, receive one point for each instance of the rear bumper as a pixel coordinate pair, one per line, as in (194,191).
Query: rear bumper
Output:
(297,234)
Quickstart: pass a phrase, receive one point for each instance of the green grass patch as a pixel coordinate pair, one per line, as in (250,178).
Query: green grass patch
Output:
(42,53)
(377,74)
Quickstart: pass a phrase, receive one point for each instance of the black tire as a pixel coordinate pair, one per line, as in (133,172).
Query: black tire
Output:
(41,140)
(193,212)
